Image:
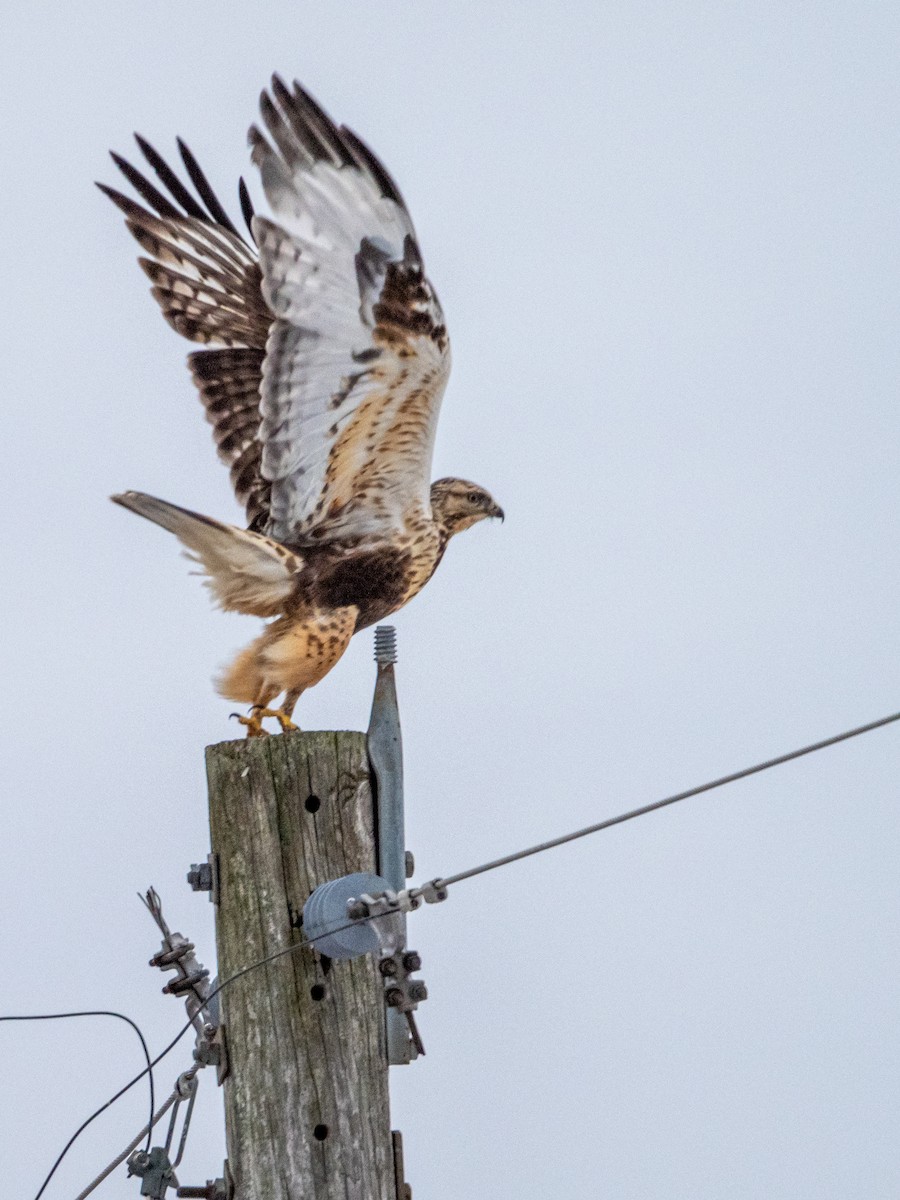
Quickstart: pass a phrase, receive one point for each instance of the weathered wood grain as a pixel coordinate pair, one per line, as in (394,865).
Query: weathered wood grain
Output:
(306,1100)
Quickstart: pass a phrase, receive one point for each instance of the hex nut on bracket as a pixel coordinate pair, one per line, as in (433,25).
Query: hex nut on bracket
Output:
(204,877)
(200,877)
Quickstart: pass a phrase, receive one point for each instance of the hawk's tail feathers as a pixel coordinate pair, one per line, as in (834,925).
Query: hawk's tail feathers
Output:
(246,571)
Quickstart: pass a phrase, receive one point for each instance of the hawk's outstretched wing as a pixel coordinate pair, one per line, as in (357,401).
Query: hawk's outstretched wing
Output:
(207,281)
(325,396)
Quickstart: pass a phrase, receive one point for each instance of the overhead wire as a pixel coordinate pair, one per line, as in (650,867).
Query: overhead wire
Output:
(447,881)
(148,1070)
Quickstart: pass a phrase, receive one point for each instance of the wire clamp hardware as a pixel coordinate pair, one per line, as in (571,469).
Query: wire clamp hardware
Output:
(432,892)
(358,914)
(370,905)
(192,978)
(155,1167)
(401,991)
(381,904)
(154,1170)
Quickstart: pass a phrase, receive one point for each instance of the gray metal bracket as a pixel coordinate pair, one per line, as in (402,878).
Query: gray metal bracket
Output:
(385,747)
(211,1050)
(402,1189)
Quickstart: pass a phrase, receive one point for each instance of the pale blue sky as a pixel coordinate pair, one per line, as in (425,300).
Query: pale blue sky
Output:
(665,237)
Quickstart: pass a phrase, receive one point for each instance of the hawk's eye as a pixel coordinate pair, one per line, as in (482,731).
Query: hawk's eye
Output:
(474,497)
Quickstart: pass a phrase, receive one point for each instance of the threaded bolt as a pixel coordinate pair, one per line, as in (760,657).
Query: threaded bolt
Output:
(385,644)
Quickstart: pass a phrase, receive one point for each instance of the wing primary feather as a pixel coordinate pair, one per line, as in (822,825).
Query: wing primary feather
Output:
(131,210)
(298,129)
(316,117)
(289,144)
(368,161)
(178,191)
(247,209)
(145,188)
(310,124)
(205,191)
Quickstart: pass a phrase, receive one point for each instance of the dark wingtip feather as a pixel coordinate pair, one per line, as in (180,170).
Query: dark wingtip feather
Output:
(127,205)
(204,189)
(369,160)
(177,190)
(145,188)
(247,209)
(280,88)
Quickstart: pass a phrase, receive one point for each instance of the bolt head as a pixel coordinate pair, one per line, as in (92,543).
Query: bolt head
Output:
(200,877)
(418,991)
(394,997)
(388,966)
(412,961)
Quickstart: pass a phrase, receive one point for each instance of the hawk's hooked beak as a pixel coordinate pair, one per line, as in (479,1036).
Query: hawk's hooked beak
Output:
(496,511)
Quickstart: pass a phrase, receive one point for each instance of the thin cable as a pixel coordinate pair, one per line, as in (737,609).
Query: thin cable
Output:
(133,1145)
(489,866)
(648,808)
(102,1013)
(151,1063)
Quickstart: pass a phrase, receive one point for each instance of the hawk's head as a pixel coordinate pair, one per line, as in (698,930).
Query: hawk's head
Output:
(457,504)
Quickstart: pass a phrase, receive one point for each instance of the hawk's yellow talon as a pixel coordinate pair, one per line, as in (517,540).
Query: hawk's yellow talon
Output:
(253,723)
(287,725)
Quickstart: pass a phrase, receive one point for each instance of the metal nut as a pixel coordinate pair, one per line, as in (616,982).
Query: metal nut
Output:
(200,877)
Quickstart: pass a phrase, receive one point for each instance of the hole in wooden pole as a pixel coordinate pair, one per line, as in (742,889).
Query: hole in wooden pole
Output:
(312,803)
(317,991)
(320,1133)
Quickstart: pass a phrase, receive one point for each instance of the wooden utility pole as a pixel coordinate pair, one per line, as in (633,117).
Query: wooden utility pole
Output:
(306,1095)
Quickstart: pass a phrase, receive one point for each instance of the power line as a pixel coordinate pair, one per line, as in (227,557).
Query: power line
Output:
(447,881)
(648,808)
(148,1070)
